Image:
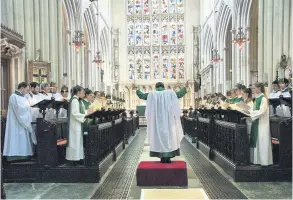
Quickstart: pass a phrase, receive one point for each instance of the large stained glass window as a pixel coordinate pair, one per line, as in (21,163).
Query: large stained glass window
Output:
(155,39)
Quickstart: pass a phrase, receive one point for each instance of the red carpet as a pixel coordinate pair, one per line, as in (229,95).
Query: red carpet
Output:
(151,173)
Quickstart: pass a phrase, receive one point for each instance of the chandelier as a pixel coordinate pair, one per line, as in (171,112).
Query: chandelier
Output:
(215,57)
(78,40)
(239,38)
(98,58)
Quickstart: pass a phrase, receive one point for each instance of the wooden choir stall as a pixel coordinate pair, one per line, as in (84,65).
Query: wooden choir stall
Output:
(108,133)
(222,136)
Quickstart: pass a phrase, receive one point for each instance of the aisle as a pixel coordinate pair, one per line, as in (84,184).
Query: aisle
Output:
(194,185)
(118,182)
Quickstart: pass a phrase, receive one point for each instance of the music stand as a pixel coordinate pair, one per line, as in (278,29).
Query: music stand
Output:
(57,105)
(43,105)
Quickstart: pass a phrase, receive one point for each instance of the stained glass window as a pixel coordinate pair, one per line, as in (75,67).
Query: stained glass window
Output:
(155,39)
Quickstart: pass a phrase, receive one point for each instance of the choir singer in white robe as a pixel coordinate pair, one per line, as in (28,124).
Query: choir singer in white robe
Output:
(163,123)
(76,118)
(260,140)
(19,134)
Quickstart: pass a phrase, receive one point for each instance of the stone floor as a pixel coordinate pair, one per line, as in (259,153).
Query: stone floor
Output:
(274,190)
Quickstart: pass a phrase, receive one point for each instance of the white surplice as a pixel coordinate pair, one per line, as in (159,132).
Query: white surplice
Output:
(279,110)
(19,134)
(164,127)
(34,99)
(285,110)
(262,153)
(74,150)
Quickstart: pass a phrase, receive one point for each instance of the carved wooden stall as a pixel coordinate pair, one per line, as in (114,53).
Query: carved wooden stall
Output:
(222,136)
(108,131)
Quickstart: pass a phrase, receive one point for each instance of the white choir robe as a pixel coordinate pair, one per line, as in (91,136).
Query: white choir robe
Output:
(19,134)
(279,110)
(262,153)
(34,99)
(285,110)
(74,149)
(164,127)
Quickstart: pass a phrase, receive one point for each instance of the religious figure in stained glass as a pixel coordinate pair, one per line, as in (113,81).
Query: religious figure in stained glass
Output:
(173,64)
(156,64)
(165,67)
(146,34)
(137,6)
(130,34)
(131,66)
(172,6)
(138,64)
(130,7)
(147,67)
(180,8)
(181,66)
(180,32)
(164,32)
(155,6)
(164,6)
(173,32)
(146,7)
(138,35)
(155,33)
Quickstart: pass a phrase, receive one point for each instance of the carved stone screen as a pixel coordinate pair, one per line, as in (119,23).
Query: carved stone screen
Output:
(155,39)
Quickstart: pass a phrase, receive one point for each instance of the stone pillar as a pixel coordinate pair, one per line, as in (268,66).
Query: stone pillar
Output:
(268,59)
(37,24)
(10,14)
(260,39)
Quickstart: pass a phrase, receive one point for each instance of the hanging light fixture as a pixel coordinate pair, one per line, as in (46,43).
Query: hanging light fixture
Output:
(98,58)
(215,57)
(78,40)
(239,38)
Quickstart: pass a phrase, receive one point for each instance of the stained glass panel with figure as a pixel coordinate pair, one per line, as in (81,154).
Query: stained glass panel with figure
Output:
(130,7)
(146,9)
(138,63)
(147,64)
(130,33)
(146,33)
(165,32)
(137,6)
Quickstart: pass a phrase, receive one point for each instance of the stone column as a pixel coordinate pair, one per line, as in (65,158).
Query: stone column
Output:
(37,24)
(260,39)
(29,29)
(286,30)
(268,61)
(10,14)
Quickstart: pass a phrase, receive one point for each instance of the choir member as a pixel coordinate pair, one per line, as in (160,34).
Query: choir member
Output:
(76,118)
(260,140)
(19,134)
(284,110)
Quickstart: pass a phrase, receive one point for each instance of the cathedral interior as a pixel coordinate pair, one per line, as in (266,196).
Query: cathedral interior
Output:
(117,48)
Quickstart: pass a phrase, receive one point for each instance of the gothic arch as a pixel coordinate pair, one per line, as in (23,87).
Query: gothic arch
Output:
(224,38)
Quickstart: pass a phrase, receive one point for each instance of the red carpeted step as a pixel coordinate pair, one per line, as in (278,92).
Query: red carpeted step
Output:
(151,173)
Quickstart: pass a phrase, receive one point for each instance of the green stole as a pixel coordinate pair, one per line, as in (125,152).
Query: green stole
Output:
(255,123)
(86,104)
(238,99)
(18,93)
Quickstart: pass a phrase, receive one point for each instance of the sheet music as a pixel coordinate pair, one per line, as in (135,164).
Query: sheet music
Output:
(243,106)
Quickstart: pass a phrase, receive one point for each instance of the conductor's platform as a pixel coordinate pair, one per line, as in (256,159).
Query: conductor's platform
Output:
(151,173)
